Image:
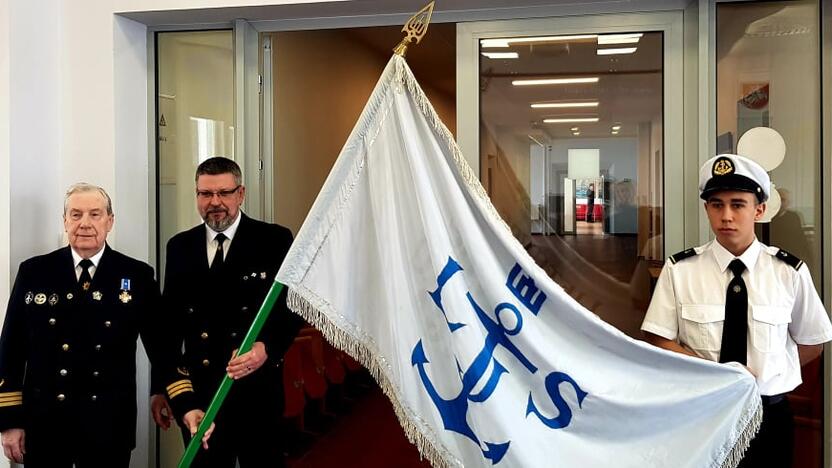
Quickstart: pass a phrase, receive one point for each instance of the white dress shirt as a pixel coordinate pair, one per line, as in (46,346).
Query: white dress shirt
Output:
(212,244)
(783,310)
(77,259)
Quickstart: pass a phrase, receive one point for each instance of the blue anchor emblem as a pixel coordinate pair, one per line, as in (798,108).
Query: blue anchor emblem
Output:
(454,411)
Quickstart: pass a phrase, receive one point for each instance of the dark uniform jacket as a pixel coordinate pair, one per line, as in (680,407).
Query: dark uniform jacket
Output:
(213,311)
(68,355)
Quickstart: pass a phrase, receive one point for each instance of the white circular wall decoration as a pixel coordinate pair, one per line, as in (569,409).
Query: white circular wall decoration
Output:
(772,206)
(763,145)
(767,148)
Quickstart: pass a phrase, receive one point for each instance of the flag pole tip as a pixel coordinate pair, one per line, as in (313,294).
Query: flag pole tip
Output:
(415,28)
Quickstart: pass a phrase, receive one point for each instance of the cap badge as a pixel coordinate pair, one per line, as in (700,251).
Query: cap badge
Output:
(722,166)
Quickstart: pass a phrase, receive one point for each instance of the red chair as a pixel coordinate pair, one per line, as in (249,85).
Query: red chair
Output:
(294,400)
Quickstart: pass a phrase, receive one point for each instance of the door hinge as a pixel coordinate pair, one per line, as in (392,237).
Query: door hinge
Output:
(259,84)
(261,164)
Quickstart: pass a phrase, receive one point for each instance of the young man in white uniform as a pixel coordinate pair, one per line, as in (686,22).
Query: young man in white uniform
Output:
(736,299)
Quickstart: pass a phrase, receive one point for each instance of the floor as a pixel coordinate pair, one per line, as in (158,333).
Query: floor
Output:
(366,435)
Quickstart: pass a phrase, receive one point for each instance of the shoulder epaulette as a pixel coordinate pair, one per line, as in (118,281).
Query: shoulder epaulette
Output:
(677,257)
(790,259)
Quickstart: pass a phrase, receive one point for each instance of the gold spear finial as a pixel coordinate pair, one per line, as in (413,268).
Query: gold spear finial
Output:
(416,27)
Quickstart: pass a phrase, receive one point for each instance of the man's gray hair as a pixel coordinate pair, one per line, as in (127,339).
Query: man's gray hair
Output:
(83,187)
(219,165)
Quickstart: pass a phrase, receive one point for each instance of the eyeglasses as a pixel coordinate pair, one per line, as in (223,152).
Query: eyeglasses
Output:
(223,194)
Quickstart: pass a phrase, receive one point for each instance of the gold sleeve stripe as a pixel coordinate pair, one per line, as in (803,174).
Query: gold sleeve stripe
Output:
(182,385)
(11,397)
(4,404)
(8,394)
(179,392)
(173,386)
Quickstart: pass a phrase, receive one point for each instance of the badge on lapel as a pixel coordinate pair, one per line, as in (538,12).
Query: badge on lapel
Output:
(29,298)
(40,298)
(96,295)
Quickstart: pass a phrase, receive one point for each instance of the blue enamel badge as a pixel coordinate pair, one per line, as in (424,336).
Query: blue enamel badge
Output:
(125,284)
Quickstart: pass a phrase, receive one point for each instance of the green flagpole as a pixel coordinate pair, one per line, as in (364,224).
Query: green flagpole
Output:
(225,386)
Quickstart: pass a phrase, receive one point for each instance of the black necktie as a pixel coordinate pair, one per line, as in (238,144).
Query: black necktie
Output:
(219,257)
(735,327)
(85,279)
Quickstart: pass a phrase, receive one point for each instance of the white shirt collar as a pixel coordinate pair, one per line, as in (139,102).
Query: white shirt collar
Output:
(94,259)
(229,232)
(723,256)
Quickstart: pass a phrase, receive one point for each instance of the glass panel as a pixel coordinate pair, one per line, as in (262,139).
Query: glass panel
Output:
(571,152)
(195,121)
(768,75)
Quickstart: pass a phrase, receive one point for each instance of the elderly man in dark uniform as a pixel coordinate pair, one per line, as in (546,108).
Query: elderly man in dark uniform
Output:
(68,348)
(216,277)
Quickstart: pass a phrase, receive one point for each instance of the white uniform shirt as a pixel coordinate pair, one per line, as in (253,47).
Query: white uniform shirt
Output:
(783,309)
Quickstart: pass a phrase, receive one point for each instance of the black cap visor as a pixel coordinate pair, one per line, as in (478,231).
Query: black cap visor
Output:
(732,182)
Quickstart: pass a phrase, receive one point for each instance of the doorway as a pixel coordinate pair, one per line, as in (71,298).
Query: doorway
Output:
(571,152)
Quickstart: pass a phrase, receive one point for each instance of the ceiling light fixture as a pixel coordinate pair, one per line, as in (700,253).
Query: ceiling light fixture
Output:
(555,81)
(501,55)
(561,105)
(608,39)
(576,133)
(616,127)
(616,51)
(614,132)
(574,129)
(507,42)
(571,120)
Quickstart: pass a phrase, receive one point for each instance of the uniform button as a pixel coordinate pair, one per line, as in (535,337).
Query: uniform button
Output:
(65,347)
(94,397)
(233,334)
(52,321)
(190,310)
(245,308)
(61,397)
(206,362)
(108,324)
(95,373)
(63,372)
(204,336)
(98,347)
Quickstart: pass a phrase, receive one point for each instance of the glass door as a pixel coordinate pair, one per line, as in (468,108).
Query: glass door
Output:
(570,145)
(768,75)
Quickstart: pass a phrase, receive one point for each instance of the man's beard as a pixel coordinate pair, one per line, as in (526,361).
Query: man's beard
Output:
(218,225)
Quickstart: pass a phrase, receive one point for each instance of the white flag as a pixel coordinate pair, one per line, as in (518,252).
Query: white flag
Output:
(404,263)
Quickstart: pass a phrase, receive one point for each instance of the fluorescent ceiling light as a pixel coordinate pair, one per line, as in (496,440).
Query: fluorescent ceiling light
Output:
(606,39)
(574,129)
(614,132)
(554,81)
(561,105)
(576,133)
(616,51)
(571,120)
(501,55)
(507,42)
(616,127)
